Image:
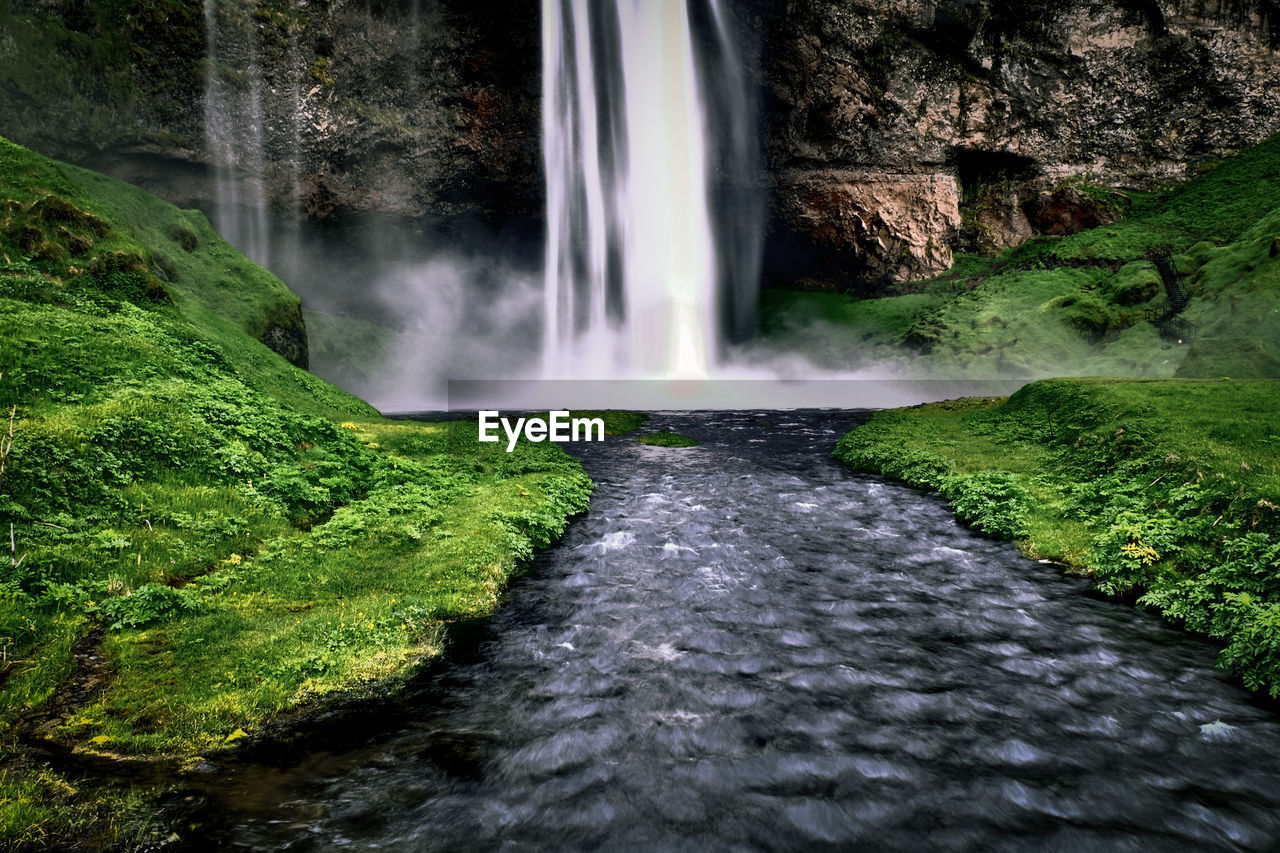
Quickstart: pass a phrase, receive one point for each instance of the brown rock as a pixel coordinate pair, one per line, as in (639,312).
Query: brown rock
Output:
(885,226)
(1122,94)
(1066,210)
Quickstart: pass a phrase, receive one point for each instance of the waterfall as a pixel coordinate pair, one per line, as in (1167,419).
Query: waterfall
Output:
(253,125)
(233,131)
(632,282)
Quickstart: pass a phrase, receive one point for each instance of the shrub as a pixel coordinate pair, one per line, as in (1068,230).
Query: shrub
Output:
(147,605)
(1134,284)
(1087,314)
(992,501)
(1125,557)
(1254,649)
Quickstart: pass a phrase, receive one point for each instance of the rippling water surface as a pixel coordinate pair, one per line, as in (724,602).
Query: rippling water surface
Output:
(745,646)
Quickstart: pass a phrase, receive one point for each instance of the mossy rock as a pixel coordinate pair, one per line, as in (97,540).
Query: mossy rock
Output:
(1086,313)
(118,261)
(184,237)
(1135,283)
(665,438)
(55,210)
(50,252)
(287,335)
(1199,254)
(78,244)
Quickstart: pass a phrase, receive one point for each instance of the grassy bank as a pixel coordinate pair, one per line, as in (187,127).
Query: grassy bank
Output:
(203,535)
(666,438)
(1166,493)
(1076,305)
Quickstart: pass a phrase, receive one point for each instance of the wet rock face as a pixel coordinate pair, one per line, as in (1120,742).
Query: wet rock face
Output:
(895,131)
(884,225)
(289,339)
(1065,211)
(1005,100)
(417,108)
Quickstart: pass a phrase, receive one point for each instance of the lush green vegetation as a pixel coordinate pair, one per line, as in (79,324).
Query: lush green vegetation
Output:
(1164,492)
(666,438)
(1076,305)
(840,331)
(616,422)
(228,535)
(74,73)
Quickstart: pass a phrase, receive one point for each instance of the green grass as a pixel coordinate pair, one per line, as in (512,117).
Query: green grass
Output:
(839,331)
(312,612)
(247,538)
(1164,492)
(666,438)
(205,276)
(1217,207)
(1076,306)
(616,422)
(42,808)
(1236,304)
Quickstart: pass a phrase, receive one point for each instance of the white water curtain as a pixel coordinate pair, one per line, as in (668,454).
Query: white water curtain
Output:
(630,256)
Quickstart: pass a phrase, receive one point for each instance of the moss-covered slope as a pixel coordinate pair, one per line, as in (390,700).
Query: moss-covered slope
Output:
(203,535)
(1079,305)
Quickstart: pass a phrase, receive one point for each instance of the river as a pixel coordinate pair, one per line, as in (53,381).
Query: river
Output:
(746,646)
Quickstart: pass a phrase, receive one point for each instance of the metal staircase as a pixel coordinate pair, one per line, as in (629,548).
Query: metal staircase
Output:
(1167,319)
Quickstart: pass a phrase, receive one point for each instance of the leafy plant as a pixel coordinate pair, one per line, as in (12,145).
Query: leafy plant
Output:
(149,604)
(993,501)
(1127,556)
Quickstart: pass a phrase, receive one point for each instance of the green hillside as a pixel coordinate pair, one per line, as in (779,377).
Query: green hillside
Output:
(1077,305)
(200,535)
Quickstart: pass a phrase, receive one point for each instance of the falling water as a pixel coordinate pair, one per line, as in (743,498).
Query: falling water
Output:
(234,132)
(738,197)
(632,279)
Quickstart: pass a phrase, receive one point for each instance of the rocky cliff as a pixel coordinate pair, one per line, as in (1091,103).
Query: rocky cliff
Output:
(899,130)
(408,107)
(896,131)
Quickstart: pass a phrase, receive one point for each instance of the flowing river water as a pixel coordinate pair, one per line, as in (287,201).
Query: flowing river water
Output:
(746,646)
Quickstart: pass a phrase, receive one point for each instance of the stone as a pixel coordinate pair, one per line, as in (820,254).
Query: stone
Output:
(1012,101)
(1065,211)
(880,119)
(877,227)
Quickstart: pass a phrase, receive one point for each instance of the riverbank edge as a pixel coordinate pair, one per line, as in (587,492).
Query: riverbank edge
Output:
(1162,492)
(162,797)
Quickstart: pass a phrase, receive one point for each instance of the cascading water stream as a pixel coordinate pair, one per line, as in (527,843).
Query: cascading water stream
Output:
(632,280)
(234,134)
(254,126)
